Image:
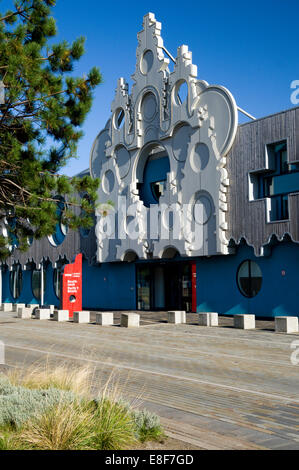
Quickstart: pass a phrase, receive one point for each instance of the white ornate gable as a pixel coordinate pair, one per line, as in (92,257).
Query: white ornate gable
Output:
(195,134)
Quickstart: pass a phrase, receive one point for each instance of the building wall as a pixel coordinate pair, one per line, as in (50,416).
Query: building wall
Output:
(217,289)
(109,286)
(247,219)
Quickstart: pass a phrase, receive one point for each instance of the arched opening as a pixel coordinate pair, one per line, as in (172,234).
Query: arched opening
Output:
(170,252)
(16,281)
(130,256)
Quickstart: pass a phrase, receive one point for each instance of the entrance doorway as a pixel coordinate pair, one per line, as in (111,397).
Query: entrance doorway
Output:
(166,286)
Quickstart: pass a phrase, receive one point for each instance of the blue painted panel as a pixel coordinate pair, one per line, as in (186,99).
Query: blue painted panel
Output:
(109,286)
(217,288)
(26,296)
(50,296)
(286,183)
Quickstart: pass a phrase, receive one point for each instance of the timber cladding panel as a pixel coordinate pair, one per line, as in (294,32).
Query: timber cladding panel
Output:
(247,219)
(73,244)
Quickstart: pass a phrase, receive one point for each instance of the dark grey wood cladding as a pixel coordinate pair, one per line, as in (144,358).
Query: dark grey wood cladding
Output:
(247,219)
(73,244)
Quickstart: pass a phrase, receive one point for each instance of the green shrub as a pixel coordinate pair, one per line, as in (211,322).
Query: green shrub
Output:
(19,404)
(148,426)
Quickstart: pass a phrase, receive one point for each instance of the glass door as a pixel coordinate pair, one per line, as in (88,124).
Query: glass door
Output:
(143,288)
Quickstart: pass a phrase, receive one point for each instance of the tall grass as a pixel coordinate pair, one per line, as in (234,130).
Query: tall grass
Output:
(62,427)
(104,423)
(63,377)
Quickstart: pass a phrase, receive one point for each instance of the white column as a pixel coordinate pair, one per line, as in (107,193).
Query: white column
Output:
(0,286)
(42,284)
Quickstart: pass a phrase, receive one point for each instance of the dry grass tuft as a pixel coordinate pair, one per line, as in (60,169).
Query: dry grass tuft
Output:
(62,427)
(63,377)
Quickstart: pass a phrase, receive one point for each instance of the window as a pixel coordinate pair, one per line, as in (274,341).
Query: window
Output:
(60,230)
(36,282)
(57,278)
(277,182)
(249,278)
(154,176)
(16,281)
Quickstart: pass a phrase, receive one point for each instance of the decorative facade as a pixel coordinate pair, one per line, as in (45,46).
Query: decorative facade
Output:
(168,151)
(190,136)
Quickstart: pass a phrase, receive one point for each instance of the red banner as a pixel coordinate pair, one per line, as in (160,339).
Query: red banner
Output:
(72,286)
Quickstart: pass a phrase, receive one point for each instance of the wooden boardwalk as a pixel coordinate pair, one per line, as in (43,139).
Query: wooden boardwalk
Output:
(215,388)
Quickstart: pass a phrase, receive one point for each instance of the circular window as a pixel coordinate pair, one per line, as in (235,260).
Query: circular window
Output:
(16,281)
(180,92)
(118,119)
(249,278)
(36,282)
(60,230)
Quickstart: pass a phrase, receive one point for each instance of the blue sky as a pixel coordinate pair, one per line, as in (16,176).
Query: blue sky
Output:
(251,47)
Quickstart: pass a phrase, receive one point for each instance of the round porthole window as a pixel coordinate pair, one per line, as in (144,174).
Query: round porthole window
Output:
(60,230)
(249,278)
(119,118)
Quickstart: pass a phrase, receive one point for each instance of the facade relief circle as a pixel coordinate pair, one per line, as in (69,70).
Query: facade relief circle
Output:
(181,142)
(146,62)
(123,160)
(149,107)
(98,153)
(199,158)
(203,199)
(108,182)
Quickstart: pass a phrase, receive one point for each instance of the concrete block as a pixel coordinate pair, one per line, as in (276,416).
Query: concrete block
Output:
(81,317)
(61,315)
(104,318)
(32,306)
(286,324)
(129,320)
(24,312)
(50,307)
(177,316)
(16,306)
(7,307)
(244,321)
(42,313)
(208,319)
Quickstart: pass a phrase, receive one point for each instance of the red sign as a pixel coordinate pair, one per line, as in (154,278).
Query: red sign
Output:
(72,286)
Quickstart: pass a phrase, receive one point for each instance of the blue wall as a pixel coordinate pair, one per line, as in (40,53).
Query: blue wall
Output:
(217,289)
(109,286)
(27,296)
(113,285)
